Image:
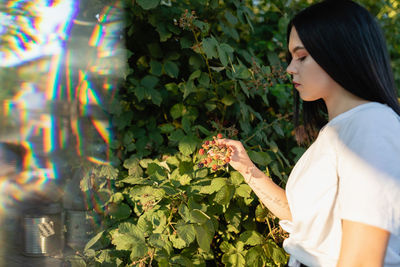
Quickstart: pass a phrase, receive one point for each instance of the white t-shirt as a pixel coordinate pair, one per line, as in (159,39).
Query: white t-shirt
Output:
(351,171)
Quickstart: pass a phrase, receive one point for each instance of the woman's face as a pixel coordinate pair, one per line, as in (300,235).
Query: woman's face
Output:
(309,78)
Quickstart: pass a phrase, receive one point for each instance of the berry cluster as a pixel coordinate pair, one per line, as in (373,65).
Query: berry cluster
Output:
(217,155)
(186,21)
(262,79)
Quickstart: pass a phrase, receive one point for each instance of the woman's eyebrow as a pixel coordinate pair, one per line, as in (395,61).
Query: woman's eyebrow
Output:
(297,48)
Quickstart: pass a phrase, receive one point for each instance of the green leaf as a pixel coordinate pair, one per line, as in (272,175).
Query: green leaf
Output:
(261,157)
(223,57)
(106,257)
(76,261)
(196,74)
(172,87)
(202,129)
(155,96)
(155,68)
(128,138)
(181,260)
(204,27)
(177,110)
(279,256)
(140,93)
(278,129)
(160,241)
(273,59)
(166,128)
(171,69)
(188,144)
(129,237)
(177,242)
(236,178)
(234,260)
(186,232)
(149,81)
(144,225)
(185,179)
(159,221)
(233,216)
(196,61)
(187,124)
(243,190)
(255,256)
(224,195)
(217,69)
(226,247)
(261,213)
(204,79)
(156,170)
(231,18)
(109,172)
(251,238)
(224,51)
(189,88)
(94,240)
(199,216)
(298,151)
(204,235)
(138,251)
(177,135)
(186,167)
(210,47)
(164,33)
(119,211)
(135,180)
(185,42)
(228,100)
(148,4)
(216,185)
(133,166)
(117,198)
(184,212)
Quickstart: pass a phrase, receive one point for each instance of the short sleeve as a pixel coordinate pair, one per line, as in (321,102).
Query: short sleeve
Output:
(369,170)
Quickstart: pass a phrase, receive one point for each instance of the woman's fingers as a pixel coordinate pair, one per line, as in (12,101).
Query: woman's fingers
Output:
(233,144)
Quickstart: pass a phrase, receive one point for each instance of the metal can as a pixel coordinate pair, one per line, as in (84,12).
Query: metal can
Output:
(43,232)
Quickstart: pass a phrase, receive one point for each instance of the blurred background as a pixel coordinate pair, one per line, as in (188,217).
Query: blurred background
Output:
(60,63)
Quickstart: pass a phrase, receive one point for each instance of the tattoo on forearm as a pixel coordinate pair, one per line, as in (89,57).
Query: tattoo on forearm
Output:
(260,192)
(267,198)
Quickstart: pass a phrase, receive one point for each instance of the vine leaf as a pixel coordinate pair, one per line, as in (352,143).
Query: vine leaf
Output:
(171,69)
(251,238)
(148,4)
(94,240)
(188,145)
(204,235)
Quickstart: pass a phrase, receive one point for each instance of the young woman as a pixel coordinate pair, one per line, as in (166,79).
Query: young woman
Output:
(342,200)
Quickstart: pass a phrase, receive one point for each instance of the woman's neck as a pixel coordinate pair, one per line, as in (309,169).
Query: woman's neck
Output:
(342,102)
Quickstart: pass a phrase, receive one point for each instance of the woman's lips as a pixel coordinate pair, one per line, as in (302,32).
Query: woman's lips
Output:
(296,84)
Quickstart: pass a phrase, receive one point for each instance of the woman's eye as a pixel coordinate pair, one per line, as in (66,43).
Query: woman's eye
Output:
(302,58)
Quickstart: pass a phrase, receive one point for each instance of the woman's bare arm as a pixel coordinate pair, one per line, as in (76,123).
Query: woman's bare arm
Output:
(362,245)
(270,194)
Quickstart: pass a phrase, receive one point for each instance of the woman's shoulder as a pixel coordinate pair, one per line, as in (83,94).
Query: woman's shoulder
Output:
(372,116)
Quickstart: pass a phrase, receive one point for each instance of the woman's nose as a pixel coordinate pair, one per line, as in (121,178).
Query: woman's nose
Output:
(290,69)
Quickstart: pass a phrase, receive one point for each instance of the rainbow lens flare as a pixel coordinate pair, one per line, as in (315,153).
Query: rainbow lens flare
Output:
(60,62)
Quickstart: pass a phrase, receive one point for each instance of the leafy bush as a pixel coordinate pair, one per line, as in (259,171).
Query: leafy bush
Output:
(197,68)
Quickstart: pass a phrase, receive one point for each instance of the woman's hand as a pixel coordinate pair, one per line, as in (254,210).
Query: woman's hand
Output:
(272,195)
(239,159)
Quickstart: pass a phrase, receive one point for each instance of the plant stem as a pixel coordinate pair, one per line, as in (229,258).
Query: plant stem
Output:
(265,127)
(269,225)
(204,57)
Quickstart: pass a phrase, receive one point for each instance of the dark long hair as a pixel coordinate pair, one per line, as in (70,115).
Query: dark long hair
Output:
(347,42)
